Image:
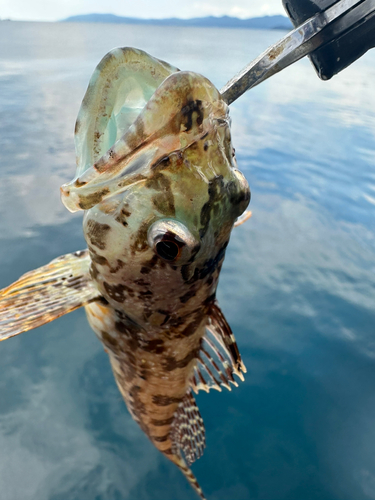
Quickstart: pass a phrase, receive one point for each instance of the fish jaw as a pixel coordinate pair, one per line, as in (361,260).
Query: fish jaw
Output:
(178,114)
(197,186)
(119,88)
(174,164)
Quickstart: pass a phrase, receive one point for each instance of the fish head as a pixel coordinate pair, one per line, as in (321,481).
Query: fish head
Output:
(161,202)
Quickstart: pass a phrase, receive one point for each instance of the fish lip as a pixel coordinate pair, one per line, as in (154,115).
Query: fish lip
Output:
(93,187)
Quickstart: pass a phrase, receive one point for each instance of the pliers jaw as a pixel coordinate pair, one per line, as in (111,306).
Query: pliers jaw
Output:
(334,38)
(350,36)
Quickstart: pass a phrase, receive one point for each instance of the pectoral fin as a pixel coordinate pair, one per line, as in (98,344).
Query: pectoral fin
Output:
(46,293)
(243,218)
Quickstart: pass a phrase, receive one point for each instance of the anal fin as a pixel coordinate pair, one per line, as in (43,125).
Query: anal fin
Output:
(219,357)
(188,432)
(46,293)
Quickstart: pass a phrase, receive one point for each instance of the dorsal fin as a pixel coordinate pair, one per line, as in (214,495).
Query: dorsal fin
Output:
(46,293)
(219,357)
(188,432)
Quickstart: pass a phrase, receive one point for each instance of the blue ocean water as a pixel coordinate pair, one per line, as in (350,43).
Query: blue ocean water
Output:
(297,286)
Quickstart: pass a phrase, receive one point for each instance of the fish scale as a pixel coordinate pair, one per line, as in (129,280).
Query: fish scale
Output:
(158,181)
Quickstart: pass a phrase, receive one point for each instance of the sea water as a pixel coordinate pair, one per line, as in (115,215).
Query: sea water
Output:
(297,286)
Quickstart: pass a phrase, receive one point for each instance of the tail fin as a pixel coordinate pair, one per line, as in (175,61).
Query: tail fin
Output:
(46,293)
(181,464)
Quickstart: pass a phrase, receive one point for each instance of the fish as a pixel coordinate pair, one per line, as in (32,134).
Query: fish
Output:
(158,182)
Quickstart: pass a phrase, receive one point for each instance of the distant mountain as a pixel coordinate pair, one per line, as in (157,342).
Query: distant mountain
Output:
(266,22)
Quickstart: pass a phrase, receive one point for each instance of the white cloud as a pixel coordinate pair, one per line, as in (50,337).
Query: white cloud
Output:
(266,9)
(239,12)
(59,9)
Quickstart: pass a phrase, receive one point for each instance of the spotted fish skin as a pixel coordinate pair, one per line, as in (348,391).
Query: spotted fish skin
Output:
(170,179)
(152,372)
(158,181)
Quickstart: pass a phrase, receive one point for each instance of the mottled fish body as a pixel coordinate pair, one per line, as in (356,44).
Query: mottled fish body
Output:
(159,183)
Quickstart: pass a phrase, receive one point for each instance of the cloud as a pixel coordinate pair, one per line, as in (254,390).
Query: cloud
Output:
(53,439)
(59,9)
(298,256)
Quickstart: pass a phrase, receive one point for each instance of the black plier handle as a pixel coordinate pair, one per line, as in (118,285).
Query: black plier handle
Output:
(319,30)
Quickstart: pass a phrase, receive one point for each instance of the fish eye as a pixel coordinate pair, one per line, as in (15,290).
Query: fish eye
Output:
(172,241)
(167,250)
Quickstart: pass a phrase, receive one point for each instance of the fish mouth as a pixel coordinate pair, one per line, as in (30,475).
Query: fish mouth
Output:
(181,110)
(88,190)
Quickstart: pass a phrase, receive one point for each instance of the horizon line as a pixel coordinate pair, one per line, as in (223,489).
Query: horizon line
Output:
(145,18)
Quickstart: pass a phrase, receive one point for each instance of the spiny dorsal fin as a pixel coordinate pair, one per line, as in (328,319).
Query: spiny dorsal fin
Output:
(46,293)
(188,432)
(219,357)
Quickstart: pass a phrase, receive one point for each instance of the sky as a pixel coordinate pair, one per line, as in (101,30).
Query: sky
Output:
(46,10)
